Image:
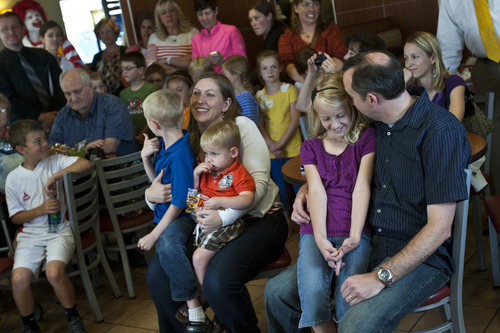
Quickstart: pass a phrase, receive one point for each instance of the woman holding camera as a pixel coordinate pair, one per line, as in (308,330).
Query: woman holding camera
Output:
(308,29)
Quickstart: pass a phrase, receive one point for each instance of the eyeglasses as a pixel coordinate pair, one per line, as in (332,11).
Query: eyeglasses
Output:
(126,69)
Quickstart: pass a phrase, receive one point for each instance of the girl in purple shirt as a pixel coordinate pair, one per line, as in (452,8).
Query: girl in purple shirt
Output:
(338,162)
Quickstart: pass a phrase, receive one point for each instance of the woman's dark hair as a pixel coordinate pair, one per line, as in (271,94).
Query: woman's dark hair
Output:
(49,25)
(146,16)
(204,4)
(265,8)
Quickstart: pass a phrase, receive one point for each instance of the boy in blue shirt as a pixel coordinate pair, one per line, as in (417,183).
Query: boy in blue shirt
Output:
(174,157)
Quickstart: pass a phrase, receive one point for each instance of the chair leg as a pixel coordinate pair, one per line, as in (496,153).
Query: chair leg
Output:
(108,271)
(126,266)
(478,229)
(495,269)
(89,290)
(96,277)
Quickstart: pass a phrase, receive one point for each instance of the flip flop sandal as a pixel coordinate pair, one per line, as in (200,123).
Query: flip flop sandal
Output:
(182,313)
(205,327)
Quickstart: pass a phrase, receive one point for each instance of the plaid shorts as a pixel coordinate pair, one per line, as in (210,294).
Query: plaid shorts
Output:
(215,240)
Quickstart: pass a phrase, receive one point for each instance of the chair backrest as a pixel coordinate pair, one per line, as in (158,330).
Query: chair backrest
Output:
(304,127)
(82,199)
(123,183)
(458,255)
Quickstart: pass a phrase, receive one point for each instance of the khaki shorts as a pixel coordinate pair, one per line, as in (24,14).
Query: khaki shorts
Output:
(216,239)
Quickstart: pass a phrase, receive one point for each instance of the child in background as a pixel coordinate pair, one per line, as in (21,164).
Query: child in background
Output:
(31,191)
(300,62)
(132,64)
(155,74)
(199,66)
(363,42)
(97,82)
(237,69)
(229,185)
(338,162)
(279,121)
(174,159)
(181,83)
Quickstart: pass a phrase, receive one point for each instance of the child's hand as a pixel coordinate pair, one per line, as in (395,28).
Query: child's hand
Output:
(150,146)
(147,242)
(50,206)
(203,167)
(326,248)
(51,187)
(331,65)
(278,153)
(336,265)
(349,244)
(213,203)
(273,146)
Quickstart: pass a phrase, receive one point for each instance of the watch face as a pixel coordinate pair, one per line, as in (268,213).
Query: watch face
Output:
(384,275)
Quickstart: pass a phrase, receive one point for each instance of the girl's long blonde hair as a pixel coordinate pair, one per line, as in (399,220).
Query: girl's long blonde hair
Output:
(328,89)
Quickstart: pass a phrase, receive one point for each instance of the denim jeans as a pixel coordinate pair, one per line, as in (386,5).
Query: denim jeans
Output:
(171,248)
(224,285)
(381,313)
(283,186)
(315,279)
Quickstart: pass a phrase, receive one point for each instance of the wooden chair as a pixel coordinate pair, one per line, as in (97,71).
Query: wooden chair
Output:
(82,199)
(123,183)
(449,298)
(488,99)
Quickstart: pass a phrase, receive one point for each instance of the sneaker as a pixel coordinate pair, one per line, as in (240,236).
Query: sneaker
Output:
(75,325)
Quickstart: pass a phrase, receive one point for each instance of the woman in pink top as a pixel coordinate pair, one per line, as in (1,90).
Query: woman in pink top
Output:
(170,45)
(216,41)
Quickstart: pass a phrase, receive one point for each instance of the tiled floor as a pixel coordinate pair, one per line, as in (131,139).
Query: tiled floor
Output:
(481,303)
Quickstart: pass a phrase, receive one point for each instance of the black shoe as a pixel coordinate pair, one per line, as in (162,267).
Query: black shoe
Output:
(205,327)
(75,325)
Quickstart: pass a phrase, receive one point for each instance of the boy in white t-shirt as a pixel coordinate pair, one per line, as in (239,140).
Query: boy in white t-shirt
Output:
(31,191)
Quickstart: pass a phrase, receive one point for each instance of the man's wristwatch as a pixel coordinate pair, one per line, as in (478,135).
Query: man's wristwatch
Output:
(384,275)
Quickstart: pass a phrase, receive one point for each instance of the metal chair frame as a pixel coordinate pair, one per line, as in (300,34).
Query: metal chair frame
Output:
(82,200)
(123,183)
(451,305)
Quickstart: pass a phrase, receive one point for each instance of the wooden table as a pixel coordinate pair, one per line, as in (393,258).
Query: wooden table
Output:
(292,174)
(478,146)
